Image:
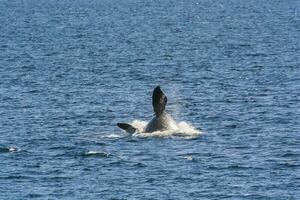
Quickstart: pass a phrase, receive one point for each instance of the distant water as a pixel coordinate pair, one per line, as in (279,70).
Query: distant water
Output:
(70,70)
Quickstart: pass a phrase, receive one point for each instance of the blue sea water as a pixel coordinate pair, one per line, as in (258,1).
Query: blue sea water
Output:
(70,70)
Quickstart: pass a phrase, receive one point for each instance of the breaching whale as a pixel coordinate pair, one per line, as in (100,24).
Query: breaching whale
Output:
(161,121)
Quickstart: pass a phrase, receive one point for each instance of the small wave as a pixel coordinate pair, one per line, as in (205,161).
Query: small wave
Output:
(183,129)
(34,195)
(96,153)
(140,165)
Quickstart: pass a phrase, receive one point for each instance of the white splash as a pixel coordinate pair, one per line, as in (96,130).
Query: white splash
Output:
(139,125)
(182,129)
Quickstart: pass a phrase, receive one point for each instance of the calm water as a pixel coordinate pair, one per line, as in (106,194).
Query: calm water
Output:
(70,70)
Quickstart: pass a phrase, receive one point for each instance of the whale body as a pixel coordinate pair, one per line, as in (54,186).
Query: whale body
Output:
(161,121)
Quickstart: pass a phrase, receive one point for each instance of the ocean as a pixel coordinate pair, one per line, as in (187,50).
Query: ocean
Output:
(70,70)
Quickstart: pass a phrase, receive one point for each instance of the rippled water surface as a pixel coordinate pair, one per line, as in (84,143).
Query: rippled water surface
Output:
(70,70)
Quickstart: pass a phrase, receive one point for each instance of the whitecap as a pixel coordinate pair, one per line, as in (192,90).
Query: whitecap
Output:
(189,158)
(96,153)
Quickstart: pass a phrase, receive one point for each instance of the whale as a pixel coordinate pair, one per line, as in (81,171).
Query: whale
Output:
(161,121)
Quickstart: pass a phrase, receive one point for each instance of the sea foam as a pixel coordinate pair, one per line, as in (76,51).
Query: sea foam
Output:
(182,129)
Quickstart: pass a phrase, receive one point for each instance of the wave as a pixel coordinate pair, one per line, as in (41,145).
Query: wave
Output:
(96,153)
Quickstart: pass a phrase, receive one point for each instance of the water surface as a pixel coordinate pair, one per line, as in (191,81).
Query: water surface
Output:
(70,70)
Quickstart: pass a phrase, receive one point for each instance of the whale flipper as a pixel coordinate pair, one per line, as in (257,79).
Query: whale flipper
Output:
(159,101)
(127,127)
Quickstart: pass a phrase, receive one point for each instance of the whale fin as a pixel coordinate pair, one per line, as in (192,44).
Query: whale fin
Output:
(127,127)
(159,101)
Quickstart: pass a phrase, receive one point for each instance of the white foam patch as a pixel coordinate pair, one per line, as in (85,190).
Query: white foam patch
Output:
(111,136)
(182,129)
(12,149)
(189,158)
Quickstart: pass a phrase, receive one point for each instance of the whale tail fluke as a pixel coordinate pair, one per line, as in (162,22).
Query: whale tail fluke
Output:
(127,127)
(159,101)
